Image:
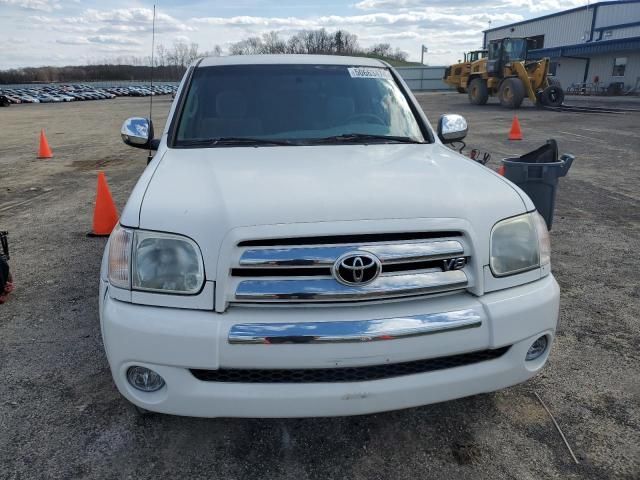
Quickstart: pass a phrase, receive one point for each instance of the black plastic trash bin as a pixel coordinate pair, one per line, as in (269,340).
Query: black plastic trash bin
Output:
(537,174)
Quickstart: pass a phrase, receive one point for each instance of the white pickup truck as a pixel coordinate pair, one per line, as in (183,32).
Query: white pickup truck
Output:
(303,243)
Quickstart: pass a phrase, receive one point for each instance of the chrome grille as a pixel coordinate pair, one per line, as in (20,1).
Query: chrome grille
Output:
(304,273)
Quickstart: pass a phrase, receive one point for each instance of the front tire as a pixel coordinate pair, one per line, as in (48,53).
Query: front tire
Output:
(478,92)
(552,96)
(511,93)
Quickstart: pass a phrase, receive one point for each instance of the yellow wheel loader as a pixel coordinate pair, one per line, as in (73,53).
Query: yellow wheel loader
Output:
(462,69)
(506,73)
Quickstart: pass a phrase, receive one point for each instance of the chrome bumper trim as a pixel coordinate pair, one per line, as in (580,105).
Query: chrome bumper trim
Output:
(329,290)
(326,256)
(353,331)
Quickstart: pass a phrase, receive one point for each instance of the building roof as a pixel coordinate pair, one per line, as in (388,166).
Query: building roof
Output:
(286,59)
(564,12)
(591,48)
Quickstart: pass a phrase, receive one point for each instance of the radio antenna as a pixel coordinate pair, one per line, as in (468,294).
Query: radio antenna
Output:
(153,41)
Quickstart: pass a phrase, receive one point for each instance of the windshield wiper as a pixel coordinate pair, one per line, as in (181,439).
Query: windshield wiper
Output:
(349,137)
(232,141)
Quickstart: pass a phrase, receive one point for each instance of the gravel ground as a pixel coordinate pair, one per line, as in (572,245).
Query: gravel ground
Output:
(60,413)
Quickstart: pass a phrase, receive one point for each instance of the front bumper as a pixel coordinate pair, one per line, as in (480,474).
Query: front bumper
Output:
(173,341)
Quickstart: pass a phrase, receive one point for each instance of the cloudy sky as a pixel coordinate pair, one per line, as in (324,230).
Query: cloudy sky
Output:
(71,32)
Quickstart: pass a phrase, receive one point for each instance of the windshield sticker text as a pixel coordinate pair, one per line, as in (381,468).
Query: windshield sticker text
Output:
(364,72)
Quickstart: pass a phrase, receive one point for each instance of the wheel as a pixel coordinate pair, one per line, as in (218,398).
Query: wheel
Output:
(461,90)
(511,93)
(478,92)
(553,96)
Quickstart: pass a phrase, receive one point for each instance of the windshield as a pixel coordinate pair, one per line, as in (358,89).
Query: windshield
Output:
(300,104)
(515,49)
(474,56)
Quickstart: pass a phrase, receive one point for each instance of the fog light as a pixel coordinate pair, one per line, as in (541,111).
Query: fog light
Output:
(537,348)
(144,379)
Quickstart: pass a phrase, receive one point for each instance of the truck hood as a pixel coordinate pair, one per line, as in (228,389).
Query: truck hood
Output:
(205,193)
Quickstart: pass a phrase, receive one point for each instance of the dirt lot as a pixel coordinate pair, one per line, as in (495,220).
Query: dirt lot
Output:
(60,413)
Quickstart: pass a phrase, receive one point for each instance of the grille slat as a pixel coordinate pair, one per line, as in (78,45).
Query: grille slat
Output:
(389,254)
(337,239)
(329,290)
(347,374)
(326,271)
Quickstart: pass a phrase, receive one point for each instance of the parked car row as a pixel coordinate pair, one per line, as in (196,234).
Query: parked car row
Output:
(70,93)
(143,91)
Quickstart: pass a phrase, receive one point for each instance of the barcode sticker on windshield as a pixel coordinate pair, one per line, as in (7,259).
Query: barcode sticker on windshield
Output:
(365,72)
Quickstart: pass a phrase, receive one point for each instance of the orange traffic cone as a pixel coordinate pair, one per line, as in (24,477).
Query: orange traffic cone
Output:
(44,151)
(105,215)
(516,132)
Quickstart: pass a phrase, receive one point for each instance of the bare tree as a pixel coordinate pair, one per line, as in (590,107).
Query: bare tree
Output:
(192,53)
(385,50)
(249,46)
(216,51)
(272,43)
(181,53)
(315,41)
(381,49)
(400,55)
(345,43)
(295,45)
(161,55)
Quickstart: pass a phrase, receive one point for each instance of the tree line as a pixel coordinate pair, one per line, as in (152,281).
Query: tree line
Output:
(171,62)
(319,42)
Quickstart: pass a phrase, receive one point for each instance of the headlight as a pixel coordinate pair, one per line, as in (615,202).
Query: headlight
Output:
(155,262)
(519,244)
(166,263)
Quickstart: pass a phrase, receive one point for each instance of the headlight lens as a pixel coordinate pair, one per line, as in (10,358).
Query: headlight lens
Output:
(155,262)
(166,263)
(544,242)
(519,244)
(120,257)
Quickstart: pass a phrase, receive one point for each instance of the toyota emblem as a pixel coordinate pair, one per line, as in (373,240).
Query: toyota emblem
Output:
(357,268)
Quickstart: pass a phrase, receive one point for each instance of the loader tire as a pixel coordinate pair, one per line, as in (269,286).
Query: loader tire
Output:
(552,96)
(511,93)
(478,92)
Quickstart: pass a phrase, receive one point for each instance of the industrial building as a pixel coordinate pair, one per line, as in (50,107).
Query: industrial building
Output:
(595,48)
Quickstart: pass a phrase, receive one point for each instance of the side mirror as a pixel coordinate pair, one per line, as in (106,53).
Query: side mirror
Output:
(138,132)
(452,128)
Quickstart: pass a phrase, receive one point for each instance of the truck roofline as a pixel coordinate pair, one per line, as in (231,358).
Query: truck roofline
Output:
(290,59)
